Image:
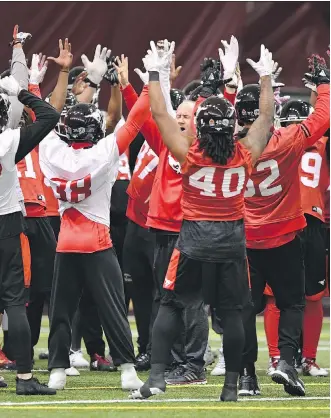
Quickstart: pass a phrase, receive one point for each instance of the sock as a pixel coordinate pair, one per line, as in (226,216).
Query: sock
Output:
(271,321)
(312,326)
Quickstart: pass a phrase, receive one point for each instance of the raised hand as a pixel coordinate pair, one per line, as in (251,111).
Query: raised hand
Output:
(229,58)
(38,69)
(19,37)
(174,72)
(98,67)
(65,56)
(122,69)
(265,65)
(159,60)
(80,85)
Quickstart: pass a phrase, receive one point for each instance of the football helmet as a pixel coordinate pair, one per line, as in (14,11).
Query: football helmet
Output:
(247,104)
(5,109)
(70,101)
(73,74)
(294,111)
(177,97)
(215,115)
(84,122)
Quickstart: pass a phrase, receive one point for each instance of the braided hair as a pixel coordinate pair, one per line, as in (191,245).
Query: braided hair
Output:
(218,146)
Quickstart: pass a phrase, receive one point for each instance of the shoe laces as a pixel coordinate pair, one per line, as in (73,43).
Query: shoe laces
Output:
(179,370)
(311,362)
(101,360)
(274,362)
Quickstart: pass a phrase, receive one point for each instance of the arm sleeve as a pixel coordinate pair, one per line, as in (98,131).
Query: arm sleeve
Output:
(149,129)
(135,121)
(34,89)
(46,120)
(19,71)
(315,126)
(165,87)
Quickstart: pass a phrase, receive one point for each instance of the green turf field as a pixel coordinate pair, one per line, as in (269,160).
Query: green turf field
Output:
(98,394)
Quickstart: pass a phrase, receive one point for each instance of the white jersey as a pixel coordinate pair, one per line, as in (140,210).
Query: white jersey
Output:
(9,197)
(81,178)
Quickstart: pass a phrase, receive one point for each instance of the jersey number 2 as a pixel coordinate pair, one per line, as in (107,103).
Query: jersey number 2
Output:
(73,191)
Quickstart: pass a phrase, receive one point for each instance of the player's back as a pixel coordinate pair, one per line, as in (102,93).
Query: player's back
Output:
(213,205)
(273,195)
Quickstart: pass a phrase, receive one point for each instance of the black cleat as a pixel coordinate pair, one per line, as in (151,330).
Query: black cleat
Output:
(184,376)
(229,391)
(248,386)
(287,375)
(43,356)
(32,387)
(3,384)
(143,362)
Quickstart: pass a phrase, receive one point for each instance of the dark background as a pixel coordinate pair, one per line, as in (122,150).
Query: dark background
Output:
(291,30)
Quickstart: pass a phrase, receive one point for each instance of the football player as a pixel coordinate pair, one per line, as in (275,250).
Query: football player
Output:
(81,171)
(274,217)
(15,263)
(215,171)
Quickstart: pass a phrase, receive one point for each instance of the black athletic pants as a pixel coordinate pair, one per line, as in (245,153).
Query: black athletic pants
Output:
(100,274)
(12,299)
(138,255)
(187,348)
(42,247)
(283,269)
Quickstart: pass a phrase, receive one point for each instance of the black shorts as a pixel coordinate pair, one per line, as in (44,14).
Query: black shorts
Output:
(42,246)
(225,287)
(313,244)
(14,266)
(282,268)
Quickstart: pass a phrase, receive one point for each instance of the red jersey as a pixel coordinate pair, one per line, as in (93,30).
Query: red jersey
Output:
(31,182)
(140,187)
(272,198)
(212,192)
(311,181)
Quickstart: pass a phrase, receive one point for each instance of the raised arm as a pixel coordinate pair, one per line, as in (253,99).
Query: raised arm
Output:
(64,60)
(259,133)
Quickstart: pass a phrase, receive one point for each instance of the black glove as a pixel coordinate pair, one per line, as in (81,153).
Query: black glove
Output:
(111,74)
(210,77)
(319,73)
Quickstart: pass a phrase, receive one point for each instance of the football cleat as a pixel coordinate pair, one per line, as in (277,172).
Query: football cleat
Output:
(57,379)
(184,376)
(72,371)
(3,384)
(77,360)
(101,364)
(229,391)
(248,386)
(143,362)
(5,363)
(287,375)
(32,387)
(311,368)
(219,369)
(273,362)
(129,378)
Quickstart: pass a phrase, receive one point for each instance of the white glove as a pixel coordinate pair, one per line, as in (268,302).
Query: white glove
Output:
(98,67)
(309,85)
(37,74)
(229,59)
(10,86)
(143,76)
(23,36)
(275,74)
(154,61)
(265,65)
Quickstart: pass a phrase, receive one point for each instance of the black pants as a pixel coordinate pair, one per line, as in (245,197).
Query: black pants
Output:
(283,269)
(138,254)
(42,247)
(100,274)
(187,347)
(187,287)
(55,222)
(12,299)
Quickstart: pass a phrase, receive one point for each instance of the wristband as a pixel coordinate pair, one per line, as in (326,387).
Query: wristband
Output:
(93,85)
(64,71)
(154,76)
